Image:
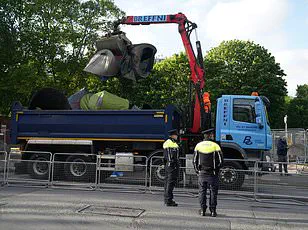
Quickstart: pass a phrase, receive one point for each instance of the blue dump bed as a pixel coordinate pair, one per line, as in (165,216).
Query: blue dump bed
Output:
(142,125)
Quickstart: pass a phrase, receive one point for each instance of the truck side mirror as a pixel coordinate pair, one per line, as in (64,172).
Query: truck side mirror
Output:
(258,109)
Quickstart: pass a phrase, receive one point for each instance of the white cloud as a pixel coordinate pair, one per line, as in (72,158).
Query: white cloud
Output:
(261,21)
(257,20)
(294,63)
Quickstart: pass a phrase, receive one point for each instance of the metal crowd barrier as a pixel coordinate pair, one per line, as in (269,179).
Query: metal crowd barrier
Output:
(130,173)
(297,143)
(187,181)
(278,184)
(236,180)
(302,165)
(3,162)
(2,142)
(137,173)
(32,171)
(237,176)
(74,170)
(157,174)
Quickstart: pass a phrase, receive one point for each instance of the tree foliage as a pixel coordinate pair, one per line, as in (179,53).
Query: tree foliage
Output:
(47,43)
(234,67)
(298,109)
(242,67)
(168,83)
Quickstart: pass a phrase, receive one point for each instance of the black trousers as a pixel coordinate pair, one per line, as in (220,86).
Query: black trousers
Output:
(208,182)
(171,177)
(285,166)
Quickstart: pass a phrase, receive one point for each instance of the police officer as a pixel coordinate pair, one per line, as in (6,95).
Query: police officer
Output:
(207,161)
(171,160)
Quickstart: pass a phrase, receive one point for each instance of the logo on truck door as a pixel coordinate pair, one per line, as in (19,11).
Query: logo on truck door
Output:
(247,140)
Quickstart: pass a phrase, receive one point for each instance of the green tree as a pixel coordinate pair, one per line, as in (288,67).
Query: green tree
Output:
(241,67)
(234,67)
(302,91)
(48,43)
(298,108)
(167,84)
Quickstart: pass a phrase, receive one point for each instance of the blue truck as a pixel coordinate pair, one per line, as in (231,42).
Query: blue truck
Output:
(241,129)
(240,126)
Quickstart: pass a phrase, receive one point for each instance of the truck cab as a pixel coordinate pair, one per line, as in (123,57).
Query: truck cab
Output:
(242,124)
(244,134)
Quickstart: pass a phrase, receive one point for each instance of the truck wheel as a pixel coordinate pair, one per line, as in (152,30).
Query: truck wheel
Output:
(37,167)
(77,168)
(158,172)
(230,175)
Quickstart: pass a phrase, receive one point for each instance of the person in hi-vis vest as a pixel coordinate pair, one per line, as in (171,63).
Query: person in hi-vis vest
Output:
(171,160)
(207,160)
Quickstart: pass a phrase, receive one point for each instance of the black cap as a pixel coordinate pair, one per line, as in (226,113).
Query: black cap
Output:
(173,132)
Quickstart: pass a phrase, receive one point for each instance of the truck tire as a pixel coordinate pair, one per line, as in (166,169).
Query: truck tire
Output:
(158,172)
(78,169)
(37,168)
(231,176)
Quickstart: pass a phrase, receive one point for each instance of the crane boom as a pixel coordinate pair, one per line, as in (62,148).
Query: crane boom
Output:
(185,28)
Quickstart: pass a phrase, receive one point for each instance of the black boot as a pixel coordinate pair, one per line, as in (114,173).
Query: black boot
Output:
(171,203)
(213,212)
(202,211)
(175,204)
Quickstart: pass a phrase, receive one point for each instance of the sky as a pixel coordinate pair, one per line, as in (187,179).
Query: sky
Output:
(281,26)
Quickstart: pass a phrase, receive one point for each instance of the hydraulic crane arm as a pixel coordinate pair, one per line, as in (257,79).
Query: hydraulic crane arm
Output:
(196,63)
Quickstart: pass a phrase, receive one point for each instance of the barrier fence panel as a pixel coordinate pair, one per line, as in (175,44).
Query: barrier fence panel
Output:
(281,185)
(74,170)
(4,137)
(302,165)
(123,172)
(236,176)
(29,168)
(127,172)
(186,180)
(297,143)
(157,173)
(2,142)
(3,162)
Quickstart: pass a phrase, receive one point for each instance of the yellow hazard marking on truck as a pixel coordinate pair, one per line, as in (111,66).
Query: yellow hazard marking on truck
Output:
(17,115)
(166,118)
(93,139)
(159,115)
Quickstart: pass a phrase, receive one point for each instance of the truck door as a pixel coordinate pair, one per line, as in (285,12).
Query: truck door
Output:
(247,126)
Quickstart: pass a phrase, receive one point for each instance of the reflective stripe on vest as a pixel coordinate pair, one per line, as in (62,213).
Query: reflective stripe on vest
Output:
(170,144)
(207,147)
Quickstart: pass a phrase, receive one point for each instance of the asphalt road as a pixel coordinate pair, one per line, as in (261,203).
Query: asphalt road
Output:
(37,208)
